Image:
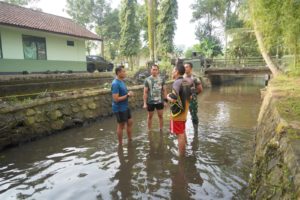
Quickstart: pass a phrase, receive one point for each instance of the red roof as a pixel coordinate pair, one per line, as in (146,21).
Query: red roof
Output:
(12,15)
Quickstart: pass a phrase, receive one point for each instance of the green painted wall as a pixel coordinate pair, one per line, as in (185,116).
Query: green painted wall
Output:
(20,65)
(60,56)
(12,47)
(57,49)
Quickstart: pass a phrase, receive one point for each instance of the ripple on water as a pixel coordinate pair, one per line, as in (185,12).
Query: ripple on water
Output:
(87,163)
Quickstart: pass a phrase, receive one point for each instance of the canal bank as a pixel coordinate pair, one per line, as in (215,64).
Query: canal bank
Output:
(276,173)
(23,121)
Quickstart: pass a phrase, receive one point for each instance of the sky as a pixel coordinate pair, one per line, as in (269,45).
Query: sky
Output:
(185,33)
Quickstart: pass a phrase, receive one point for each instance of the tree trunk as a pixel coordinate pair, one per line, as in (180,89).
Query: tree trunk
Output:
(259,37)
(150,14)
(131,63)
(102,48)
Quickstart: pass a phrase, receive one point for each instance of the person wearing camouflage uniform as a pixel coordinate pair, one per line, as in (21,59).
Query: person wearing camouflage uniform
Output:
(196,88)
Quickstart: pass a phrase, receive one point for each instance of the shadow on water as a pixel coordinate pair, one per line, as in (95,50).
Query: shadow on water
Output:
(87,162)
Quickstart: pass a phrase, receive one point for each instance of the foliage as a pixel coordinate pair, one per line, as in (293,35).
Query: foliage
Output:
(178,51)
(211,47)
(110,31)
(21,2)
(243,45)
(189,52)
(151,7)
(142,18)
(211,10)
(97,15)
(207,48)
(130,32)
(208,13)
(80,11)
(279,23)
(233,21)
(168,13)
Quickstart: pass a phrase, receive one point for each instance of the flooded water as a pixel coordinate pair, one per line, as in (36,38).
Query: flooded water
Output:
(87,163)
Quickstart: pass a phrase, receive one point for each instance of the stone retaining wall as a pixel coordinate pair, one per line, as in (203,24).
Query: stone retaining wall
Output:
(45,116)
(275,172)
(33,84)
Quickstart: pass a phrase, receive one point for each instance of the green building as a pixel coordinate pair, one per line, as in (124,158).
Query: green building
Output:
(34,41)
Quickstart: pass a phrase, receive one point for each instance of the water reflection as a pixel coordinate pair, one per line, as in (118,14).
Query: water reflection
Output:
(186,178)
(87,163)
(123,176)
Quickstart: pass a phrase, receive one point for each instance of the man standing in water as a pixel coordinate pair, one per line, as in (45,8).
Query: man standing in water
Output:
(155,93)
(120,107)
(196,88)
(179,104)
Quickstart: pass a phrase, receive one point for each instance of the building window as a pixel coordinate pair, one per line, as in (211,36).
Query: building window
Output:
(1,55)
(70,43)
(34,48)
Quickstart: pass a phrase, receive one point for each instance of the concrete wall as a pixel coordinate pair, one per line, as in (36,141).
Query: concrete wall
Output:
(60,56)
(275,173)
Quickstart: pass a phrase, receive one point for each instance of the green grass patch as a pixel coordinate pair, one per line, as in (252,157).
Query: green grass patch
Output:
(289,108)
(288,104)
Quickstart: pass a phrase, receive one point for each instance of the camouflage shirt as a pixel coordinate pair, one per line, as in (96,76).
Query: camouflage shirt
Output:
(155,89)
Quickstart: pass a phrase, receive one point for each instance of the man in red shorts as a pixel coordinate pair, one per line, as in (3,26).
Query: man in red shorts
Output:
(179,104)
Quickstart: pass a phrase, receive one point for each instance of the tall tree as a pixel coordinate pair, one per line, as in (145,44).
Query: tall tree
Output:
(130,32)
(258,10)
(97,15)
(80,11)
(110,31)
(151,6)
(291,30)
(208,13)
(168,13)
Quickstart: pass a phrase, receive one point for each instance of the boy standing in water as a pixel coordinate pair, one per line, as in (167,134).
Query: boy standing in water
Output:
(179,101)
(120,107)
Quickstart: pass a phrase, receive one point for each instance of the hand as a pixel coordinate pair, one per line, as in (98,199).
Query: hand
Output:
(145,106)
(165,104)
(130,93)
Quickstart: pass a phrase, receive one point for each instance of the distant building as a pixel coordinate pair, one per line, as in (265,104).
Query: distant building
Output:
(34,41)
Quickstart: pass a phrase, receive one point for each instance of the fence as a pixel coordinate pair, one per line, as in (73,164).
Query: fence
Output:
(200,63)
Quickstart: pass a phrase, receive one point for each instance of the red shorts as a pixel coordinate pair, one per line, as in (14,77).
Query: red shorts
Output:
(177,127)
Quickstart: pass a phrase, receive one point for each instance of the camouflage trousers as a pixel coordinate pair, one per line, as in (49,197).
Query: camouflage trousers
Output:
(194,109)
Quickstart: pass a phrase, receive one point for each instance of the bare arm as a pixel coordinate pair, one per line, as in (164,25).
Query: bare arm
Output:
(199,88)
(145,97)
(165,92)
(118,98)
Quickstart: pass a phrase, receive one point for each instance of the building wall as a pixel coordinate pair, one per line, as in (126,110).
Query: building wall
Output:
(60,56)
(11,44)
(57,49)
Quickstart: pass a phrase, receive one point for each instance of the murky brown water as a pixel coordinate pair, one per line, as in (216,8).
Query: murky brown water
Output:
(86,162)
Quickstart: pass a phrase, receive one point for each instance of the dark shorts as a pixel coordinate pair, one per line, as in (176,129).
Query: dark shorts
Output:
(152,107)
(123,116)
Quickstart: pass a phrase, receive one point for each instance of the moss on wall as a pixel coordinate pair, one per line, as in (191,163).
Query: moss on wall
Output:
(275,173)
